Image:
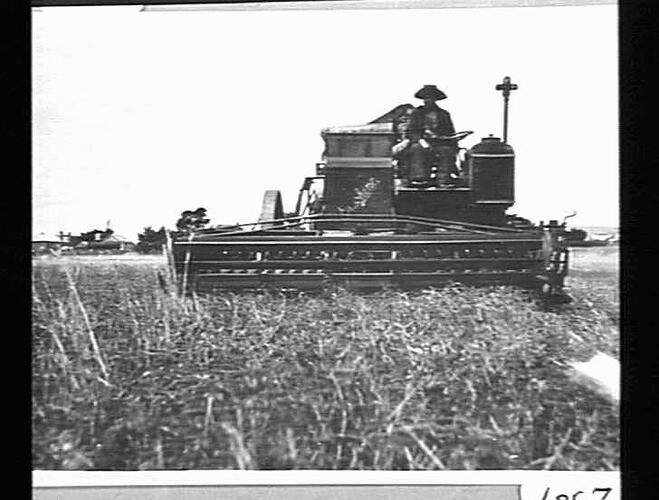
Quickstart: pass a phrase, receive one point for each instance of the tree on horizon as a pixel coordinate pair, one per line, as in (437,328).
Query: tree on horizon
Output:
(192,220)
(150,240)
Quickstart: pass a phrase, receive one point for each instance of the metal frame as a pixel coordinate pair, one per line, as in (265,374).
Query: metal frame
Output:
(436,252)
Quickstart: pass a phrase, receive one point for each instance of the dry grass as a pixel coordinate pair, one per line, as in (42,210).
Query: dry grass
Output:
(456,378)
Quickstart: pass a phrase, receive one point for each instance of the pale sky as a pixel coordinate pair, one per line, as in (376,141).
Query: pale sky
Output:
(138,116)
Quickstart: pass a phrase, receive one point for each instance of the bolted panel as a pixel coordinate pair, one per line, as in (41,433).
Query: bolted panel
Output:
(363,141)
(493,178)
(491,167)
(358,189)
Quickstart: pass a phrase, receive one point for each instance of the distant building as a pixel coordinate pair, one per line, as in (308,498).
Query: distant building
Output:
(106,242)
(44,243)
(93,242)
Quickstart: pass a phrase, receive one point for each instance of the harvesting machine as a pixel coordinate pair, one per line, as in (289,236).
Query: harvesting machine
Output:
(362,222)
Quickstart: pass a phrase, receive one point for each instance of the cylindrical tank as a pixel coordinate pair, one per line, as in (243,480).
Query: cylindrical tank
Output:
(491,167)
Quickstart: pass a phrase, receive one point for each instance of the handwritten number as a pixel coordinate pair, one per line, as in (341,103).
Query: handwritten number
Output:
(563,496)
(605,490)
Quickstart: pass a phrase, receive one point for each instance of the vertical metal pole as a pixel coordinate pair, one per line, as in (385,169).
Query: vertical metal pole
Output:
(505,117)
(506,87)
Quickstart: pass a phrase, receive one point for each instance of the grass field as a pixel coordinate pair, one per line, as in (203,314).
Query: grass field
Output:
(126,375)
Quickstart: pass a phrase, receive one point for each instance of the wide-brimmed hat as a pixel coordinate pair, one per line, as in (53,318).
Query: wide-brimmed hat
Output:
(430,92)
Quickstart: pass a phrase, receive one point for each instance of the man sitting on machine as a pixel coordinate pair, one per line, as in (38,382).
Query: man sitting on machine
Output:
(432,140)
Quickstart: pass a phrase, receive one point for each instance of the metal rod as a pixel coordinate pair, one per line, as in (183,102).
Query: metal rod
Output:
(299,220)
(505,118)
(349,241)
(506,87)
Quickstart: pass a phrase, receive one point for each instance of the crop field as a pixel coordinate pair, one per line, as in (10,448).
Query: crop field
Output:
(128,375)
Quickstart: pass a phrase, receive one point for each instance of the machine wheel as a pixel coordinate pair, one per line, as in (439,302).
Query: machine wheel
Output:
(553,295)
(271,208)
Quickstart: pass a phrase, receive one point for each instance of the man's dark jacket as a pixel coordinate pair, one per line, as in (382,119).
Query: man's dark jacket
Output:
(433,118)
